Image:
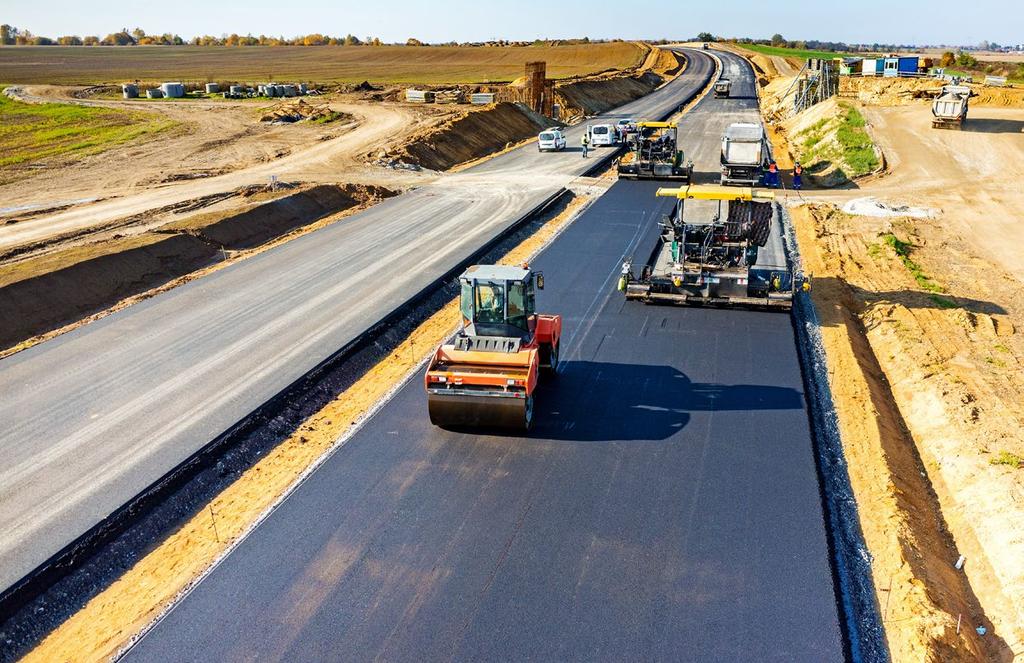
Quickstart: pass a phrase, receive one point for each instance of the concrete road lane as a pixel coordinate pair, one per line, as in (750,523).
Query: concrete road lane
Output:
(90,419)
(666,506)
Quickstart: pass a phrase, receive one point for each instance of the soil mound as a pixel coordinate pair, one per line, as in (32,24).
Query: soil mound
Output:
(46,292)
(472,136)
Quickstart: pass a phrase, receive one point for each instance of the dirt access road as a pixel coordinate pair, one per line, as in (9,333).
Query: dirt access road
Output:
(221,147)
(937,337)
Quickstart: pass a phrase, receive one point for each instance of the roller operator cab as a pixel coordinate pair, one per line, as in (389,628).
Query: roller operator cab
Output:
(487,376)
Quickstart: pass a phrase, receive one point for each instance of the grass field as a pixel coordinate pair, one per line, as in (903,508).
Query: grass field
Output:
(791,52)
(33,132)
(87,65)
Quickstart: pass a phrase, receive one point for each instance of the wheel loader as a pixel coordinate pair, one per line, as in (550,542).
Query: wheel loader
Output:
(709,258)
(487,376)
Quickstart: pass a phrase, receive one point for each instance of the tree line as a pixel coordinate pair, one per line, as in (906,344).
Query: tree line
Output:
(12,36)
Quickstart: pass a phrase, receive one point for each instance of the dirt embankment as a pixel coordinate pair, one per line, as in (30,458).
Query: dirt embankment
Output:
(903,91)
(926,379)
(590,97)
(598,94)
(43,293)
(473,135)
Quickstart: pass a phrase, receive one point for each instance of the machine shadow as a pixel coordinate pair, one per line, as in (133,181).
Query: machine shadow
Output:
(993,126)
(606,402)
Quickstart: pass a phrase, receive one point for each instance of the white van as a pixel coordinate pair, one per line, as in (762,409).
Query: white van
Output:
(550,140)
(603,134)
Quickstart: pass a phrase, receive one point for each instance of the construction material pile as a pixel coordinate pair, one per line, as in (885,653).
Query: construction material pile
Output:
(297,111)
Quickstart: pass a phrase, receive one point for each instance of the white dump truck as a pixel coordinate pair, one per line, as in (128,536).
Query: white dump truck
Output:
(949,109)
(746,154)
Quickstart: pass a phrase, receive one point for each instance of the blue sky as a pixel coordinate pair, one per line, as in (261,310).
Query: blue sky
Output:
(863,21)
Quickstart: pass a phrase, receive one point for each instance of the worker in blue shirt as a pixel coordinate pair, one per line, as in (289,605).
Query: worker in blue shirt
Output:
(798,179)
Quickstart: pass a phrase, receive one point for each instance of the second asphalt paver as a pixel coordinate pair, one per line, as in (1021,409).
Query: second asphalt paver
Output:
(666,506)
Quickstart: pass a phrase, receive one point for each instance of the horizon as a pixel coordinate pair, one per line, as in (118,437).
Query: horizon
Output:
(404,19)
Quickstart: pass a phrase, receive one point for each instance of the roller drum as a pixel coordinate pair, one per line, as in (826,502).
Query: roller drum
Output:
(459,411)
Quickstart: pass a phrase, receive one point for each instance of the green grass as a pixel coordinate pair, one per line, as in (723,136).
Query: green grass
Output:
(858,150)
(1008,458)
(791,52)
(852,152)
(903,250)
(34,132)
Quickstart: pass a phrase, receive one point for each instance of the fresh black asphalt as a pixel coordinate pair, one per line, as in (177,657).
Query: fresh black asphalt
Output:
(666,506)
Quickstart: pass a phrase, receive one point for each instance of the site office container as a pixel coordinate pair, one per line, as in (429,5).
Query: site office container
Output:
(872,67)
(900,66)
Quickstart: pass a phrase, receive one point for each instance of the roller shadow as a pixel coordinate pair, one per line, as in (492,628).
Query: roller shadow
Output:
(605,402)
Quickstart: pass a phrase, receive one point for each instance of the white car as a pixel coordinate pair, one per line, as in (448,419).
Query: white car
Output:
(603,134)
(551,140)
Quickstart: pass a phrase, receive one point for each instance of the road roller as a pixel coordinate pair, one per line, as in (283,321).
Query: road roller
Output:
(487,375)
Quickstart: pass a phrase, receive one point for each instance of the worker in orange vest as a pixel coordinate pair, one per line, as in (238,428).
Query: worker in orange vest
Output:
(798,180)
(772,179)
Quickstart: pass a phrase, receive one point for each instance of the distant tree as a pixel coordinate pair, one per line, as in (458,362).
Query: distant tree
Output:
(351,40)
(778,40)
(984,46)
(121,38)
(177,41)
(966,59)
(138,34)
(376,41)
(412,41)
(705,36)
(948,59)
(8,34)
(70,40)
(43,41)
(91,40)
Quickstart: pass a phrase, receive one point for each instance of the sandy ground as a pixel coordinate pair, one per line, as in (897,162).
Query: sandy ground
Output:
(949,361)
(925,372)
(221,148)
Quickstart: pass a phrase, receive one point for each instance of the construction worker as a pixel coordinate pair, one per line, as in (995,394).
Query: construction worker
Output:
(798,180)
(585,142)
(772,178)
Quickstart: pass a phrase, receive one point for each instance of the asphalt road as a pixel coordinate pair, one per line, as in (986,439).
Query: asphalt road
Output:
(666,507)
(92,418)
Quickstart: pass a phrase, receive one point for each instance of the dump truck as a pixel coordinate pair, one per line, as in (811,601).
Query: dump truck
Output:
(949,108)
(722,88)
(652,152)
(711,258)
(487,376)
(746,154)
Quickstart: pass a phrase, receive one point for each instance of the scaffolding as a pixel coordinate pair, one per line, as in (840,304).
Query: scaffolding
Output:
(817,81)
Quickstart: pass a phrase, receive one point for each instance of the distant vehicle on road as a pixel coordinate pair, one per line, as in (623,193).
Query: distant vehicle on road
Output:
(626,126)
(722,88)
(746,154)
(551,140)
(603,134)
